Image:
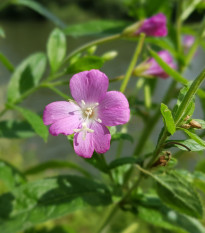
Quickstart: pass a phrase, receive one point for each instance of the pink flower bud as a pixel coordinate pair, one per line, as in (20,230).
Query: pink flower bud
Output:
(153,68)
(154,26)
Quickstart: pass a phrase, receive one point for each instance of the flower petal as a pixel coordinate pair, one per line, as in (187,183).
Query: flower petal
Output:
(65,126)
(101,138)
(83,147)
(90,86)
(114,109)
(59,110)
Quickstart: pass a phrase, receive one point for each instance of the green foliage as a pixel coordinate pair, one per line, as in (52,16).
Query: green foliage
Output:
(168,119)
(35,121)
(26,76)
(195,137)
(10,175)
(15,129)
(95,28)
(56,49)
(190,144)
(4,60)
(46,199)
(177,193)
(85,63)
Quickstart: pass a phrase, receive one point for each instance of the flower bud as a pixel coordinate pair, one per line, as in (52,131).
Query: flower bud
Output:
(109,55)
(91,50)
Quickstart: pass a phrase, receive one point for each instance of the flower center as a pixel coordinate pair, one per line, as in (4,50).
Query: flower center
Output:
(89,112)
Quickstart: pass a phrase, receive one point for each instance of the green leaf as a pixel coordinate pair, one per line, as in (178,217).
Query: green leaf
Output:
(173,73)
(2,33)
(55,164)
(96,27)
(15,129)
(152,211)
(168,119)
(190,143)
(195,137)
(39,201)
(177,193)
(4,60)
(85,63)
(10,175)
(122,161)
(118,136)
(182,94)
(26,76)
(189,7)
(56,49)
(98,161)
(41,10)
(35,121)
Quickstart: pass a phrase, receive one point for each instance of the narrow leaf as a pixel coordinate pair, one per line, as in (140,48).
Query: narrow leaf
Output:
(4,60)
(55,164)
(168,119)
(56,49)
(96,27)
(176,192)
(35,121)
(26,76)
(195,137)
(41,10)
(122,161)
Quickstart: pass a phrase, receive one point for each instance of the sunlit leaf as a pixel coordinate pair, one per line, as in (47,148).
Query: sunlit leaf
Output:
(56,49)
(26,76)
(35,121)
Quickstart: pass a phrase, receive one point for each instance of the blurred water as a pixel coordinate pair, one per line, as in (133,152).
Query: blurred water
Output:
(25,38)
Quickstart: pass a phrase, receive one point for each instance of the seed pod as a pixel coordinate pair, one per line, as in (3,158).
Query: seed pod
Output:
(186,126)
(195,124)
(187,118)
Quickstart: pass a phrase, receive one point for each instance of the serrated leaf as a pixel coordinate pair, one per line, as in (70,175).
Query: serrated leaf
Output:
(41,10)
(50,198)
(26,76)
(15,129)
(55,164)
(56,49)
(152,211)
(35,121)
(10,175)
(96,27)
(176,192)
(191,144)
(85,63)
(123,161)
(168,119)
(195,137)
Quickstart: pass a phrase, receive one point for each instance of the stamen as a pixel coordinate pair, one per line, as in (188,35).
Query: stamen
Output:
(95,105)
(83,102)
(98,120)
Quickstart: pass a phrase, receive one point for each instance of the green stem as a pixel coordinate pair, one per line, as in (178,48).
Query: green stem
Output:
(133,62)
(86,46)
(178,25)
(108,217)
(153,120)
(3,112)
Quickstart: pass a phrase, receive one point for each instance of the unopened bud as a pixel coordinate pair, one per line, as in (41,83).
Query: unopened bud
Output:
(195,124)
(186,126)
(91,50)
(132,29)
(109,55)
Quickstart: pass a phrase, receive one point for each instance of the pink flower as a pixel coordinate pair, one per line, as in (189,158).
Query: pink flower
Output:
(153,68)
(188,41)
(88,115)
(154,26)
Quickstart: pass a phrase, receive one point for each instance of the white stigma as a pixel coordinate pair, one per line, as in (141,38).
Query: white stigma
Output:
(84,129)
(98,120)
